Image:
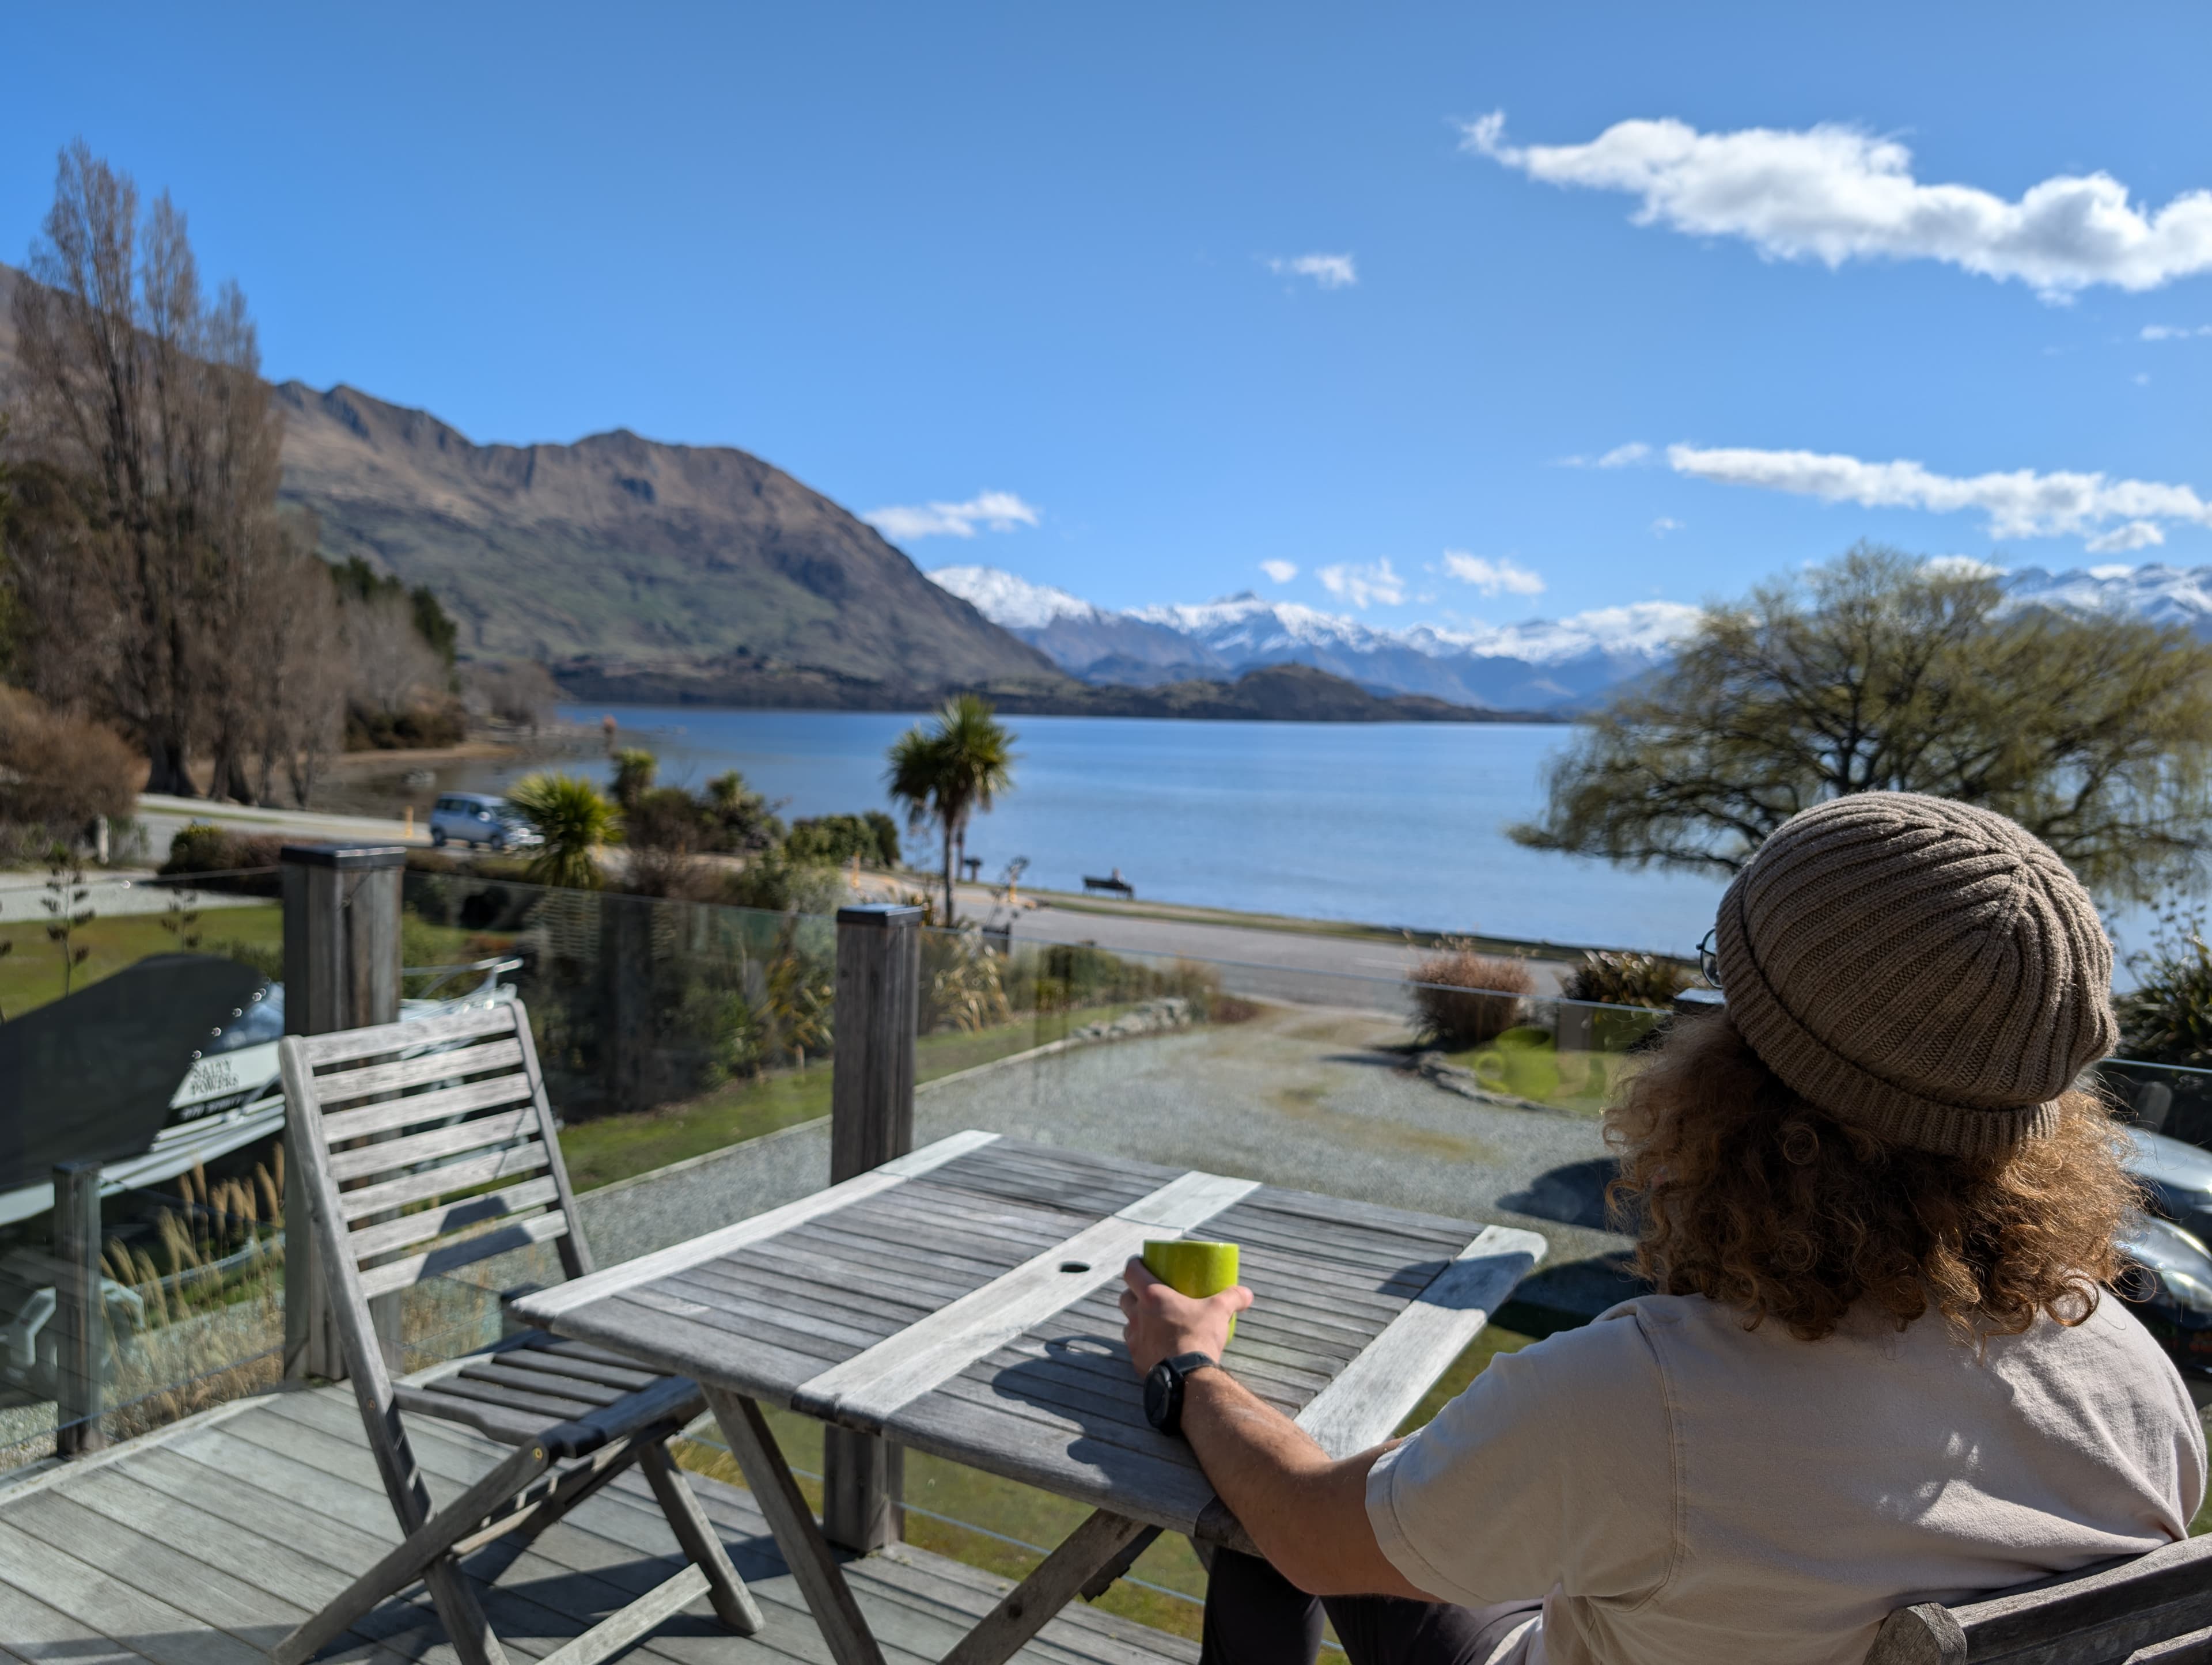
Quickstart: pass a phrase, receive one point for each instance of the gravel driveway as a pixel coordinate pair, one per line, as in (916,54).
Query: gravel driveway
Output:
(1304,1096)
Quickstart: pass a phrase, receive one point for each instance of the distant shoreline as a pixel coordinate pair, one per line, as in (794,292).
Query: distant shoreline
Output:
(1275,693)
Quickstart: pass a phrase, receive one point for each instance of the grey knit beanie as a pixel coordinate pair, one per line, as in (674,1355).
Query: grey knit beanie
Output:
(1923,969)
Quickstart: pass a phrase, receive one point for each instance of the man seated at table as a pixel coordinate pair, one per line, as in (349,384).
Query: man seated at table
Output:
(1883,1365)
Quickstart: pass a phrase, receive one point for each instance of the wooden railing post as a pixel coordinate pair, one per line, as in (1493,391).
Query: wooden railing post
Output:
(871,1120)
(342,904)
(80,1319)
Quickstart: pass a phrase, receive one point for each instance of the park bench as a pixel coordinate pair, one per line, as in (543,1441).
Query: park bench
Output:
(2154,1609)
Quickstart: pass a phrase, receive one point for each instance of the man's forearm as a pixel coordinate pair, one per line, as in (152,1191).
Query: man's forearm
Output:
(1306,1512)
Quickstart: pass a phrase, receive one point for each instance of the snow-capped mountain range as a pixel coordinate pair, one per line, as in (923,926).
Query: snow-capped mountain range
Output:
(1524,667)
(2160,593)
(1536,666)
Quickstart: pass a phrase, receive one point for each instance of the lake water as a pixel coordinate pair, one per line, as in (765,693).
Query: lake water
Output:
(1386,823)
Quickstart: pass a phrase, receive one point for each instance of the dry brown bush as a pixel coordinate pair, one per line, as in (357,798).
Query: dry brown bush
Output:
(1465,999)
(58,771)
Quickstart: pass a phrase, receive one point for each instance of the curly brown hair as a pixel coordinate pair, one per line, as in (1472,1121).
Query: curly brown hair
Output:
(1748,1194)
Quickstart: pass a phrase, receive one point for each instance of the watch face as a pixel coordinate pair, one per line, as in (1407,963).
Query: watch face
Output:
(1159,1394)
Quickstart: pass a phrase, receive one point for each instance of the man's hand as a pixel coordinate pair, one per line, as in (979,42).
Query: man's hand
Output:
(1161,1323)
(1306,1514)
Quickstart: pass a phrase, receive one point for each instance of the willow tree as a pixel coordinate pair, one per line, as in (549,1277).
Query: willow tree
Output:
(1879,671)
(946,773)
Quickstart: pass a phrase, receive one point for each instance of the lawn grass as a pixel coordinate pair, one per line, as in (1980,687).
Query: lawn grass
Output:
(31,966)
(607,1148)
(985,1510)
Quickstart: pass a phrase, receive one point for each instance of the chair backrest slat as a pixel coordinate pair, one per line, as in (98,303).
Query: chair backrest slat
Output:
(436,1110)
(366,1241)
(441,1105)
(438,1181)
(387,1156)
(451,1062)
(344,1045)
(455,1253)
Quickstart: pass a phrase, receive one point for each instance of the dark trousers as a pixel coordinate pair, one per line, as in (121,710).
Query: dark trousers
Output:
(1256,1616)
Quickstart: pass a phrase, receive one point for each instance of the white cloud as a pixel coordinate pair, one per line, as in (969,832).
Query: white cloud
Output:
(2020,504)
(1962,566)
(2175,331)
(1281,571)
(1361,584)
(1000,510)
(1835,193)
(1664,525)
(1621,456)
(1330,271)
(1492,577)
(2111,569)
(2120,540)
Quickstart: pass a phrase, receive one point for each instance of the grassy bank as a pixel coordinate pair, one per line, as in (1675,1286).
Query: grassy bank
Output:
(31,965)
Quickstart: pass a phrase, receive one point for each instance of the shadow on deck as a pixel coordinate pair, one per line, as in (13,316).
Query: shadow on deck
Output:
(206,1543)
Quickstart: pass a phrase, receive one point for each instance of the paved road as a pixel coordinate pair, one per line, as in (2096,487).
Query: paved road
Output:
(1321,969)
(110,891)
(163,817)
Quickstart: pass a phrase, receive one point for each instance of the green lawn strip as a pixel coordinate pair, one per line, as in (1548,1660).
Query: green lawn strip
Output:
(985,1510)
(607,1148)
(30,967)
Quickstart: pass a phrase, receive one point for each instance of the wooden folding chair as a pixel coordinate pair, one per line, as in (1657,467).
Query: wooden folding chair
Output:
(427,1147)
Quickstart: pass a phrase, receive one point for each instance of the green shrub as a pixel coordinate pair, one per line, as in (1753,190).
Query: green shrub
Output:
(872,837)
(963,982)
(201,848)
(2166,1018)
(1465,999)
(665,818)
(772,881)
(635,768)
(741,816)
(1627,978)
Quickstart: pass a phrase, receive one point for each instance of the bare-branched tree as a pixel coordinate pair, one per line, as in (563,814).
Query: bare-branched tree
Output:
(148,399)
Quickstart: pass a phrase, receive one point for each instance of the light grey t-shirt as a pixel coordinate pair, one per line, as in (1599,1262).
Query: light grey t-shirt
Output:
(1690,1493)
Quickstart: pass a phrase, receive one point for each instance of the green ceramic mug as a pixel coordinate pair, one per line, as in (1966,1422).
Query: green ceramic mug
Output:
(1192,1267)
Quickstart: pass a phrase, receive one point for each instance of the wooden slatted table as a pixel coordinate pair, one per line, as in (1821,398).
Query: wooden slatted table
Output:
(963,1300)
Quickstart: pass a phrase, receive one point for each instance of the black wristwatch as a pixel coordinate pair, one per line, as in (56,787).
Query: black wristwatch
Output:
(1163,1388)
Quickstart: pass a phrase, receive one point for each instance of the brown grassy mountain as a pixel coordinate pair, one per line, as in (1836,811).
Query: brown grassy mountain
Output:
(691,574)
(620,546)
(623,546)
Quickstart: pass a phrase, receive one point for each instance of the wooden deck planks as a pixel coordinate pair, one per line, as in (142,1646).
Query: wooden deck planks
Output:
(203,1547)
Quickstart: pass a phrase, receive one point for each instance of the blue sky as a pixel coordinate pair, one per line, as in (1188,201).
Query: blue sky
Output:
(918,255)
